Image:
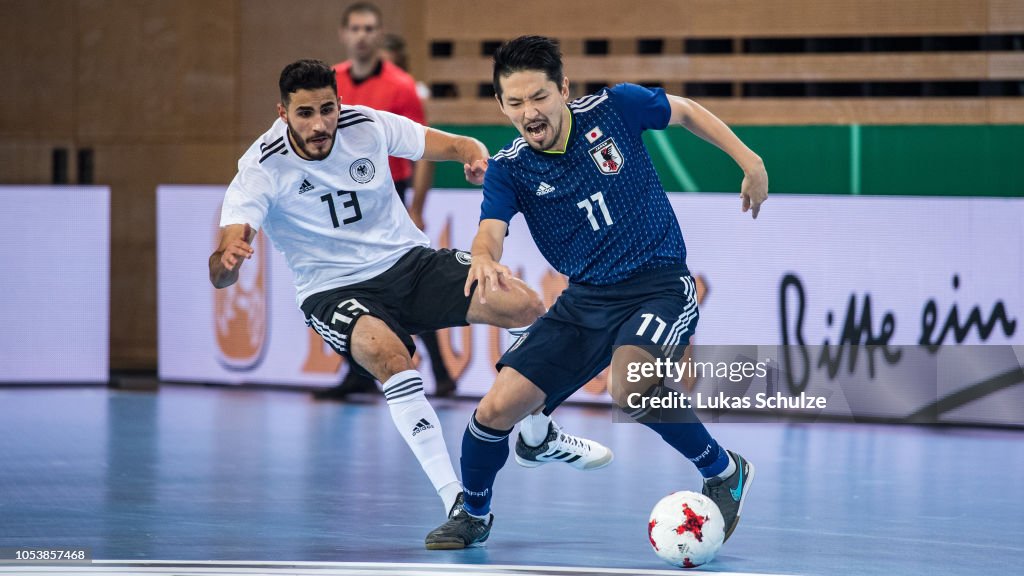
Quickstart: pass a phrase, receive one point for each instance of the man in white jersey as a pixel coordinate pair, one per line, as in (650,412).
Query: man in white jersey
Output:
(319,185)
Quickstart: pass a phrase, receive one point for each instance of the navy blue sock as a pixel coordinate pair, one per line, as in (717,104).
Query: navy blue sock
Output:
(484,452)
(694,442)
(683,430)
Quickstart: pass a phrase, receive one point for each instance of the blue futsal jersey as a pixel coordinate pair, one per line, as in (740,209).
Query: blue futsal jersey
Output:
(598,211)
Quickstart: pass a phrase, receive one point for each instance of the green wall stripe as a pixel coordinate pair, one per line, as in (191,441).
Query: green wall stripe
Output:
(855,164)
(917,160)
(675,164)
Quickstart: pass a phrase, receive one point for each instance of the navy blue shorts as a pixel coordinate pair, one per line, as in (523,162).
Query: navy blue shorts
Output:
(571,344)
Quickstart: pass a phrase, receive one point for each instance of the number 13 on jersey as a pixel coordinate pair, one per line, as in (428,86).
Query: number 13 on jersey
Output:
(352,202)
(587,205)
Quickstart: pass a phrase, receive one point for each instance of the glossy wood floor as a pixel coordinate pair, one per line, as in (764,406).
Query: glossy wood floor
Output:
(188,474)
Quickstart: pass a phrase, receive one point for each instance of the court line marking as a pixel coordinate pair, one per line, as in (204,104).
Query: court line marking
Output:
(278,568)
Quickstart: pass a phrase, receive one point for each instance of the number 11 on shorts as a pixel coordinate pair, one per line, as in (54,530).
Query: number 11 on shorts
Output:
(647,322)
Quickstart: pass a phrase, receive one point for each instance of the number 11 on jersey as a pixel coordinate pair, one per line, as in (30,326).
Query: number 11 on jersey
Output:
(589,207)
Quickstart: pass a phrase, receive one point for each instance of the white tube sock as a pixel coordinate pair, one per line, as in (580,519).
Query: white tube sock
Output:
(419,426)
(534,429)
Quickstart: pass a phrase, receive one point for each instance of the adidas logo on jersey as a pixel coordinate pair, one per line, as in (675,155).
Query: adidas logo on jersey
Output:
(545,188)
(306,186)
(422,426)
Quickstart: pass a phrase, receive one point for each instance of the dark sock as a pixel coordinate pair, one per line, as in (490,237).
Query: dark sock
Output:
(484,452)
(683,430)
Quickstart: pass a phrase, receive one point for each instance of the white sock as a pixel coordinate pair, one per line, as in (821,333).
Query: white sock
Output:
(729,470)
(534,429)
(448,493)
(419,426)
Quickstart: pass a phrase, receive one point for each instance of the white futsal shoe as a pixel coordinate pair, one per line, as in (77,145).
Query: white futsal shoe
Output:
(577,452)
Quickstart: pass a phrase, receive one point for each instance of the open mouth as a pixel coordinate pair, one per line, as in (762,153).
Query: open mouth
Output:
(537,130)
(320,140)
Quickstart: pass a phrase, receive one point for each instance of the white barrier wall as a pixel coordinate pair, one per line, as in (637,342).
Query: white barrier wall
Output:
(54,284)
(250,332)
(880,263)
(811,270)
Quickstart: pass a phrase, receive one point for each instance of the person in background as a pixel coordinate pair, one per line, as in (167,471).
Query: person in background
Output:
(369,78)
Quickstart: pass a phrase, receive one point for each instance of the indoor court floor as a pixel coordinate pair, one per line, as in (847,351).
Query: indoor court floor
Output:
(215,480)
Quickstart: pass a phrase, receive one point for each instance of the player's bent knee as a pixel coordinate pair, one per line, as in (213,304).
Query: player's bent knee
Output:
(498,416)
(378,349)
(489,414)
(529,314)
(383,364)
(512,398)
(393,364)
(625,380)
(621,386)
(620,393)
(514,309)
(526,306)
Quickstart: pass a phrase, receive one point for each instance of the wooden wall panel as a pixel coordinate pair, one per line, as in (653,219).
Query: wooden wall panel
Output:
(838,17)
(266,45)
(273,34)
(37,62)
(29,160)
(156,71)
(1005,16)
(717,18)
(798,111)
(133,172)
(804,67)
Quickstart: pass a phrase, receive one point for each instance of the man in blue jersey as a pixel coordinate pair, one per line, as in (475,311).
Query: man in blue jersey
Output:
(582,178)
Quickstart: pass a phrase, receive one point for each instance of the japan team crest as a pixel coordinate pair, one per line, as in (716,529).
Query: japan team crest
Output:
(607,156)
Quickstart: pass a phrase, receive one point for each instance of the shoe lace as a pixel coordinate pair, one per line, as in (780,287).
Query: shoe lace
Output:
(714,488)
(456,525)
(569,440)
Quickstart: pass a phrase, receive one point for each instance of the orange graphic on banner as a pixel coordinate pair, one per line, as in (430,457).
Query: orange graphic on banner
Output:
(241,312)
(456,360)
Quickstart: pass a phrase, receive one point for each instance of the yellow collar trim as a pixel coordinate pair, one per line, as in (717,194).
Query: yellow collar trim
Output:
(568,134)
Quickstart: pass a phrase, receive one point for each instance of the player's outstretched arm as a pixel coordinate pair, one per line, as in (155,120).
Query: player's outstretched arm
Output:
(486,269)
(470,151)
(697,119)
(233,250)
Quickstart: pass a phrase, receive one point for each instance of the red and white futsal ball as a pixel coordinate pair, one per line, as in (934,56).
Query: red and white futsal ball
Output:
(686,529)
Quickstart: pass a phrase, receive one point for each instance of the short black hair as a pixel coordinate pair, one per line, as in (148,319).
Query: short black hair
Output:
(396,45)
(362,7)
(306,75)
(538,53)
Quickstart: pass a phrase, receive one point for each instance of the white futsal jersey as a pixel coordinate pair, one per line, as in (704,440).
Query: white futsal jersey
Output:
(338,221)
